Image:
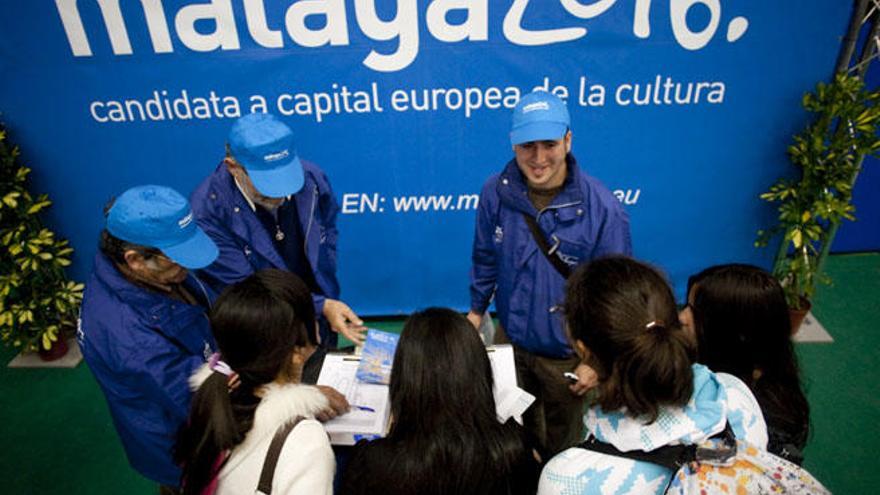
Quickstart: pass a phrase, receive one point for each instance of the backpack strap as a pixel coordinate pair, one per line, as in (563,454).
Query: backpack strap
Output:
(546,249)
(271,461)
(672,457)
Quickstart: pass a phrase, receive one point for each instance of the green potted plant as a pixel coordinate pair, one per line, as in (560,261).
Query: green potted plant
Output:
(827,154)
(38,304)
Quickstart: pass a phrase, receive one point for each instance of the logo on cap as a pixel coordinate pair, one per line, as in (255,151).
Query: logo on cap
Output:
(538,105)
(183,222)
(271,157)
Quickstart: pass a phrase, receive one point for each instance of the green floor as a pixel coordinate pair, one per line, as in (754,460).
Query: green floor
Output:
(57,437)
(842,378)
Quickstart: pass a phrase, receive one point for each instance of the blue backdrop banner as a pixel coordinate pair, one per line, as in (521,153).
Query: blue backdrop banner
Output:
(683,108)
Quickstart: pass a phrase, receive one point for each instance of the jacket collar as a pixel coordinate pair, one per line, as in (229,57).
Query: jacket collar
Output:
(705,415)
(247,198)
(171,317)
(305,201)
(139,296)
(513,191)
(243,220)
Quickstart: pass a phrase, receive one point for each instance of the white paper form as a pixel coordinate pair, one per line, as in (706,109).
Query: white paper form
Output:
(339,372)
(510,400)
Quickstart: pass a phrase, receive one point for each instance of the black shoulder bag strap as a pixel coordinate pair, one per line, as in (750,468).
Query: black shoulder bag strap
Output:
(671,457)
(554,260)
(268,472)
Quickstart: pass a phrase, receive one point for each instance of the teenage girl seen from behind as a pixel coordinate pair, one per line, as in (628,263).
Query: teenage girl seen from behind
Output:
(264,327)
(623,321)
(740,318)
(445,437)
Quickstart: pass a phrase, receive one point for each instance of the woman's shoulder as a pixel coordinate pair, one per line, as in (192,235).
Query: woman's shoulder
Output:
(743,411)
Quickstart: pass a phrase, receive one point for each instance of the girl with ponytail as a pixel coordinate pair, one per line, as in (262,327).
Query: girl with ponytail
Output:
(623,323)
(264,327)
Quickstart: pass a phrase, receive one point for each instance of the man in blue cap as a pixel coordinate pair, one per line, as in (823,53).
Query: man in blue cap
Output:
(143,323)
(538,219)
(266,208)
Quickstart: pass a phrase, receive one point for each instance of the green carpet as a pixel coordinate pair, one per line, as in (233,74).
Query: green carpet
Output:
(57,437)
(841,378)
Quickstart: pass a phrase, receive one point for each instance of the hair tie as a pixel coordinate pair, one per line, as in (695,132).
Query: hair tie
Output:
(653,323)
(219,366)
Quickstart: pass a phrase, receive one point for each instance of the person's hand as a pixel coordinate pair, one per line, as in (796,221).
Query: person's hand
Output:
(338,404)
(587,379)
(475,319)
(343,320)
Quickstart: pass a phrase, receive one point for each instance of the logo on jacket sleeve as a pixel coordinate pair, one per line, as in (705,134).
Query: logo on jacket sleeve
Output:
(568,259)
(80,335)
(499,234)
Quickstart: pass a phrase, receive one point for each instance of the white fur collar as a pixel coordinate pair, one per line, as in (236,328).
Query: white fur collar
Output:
(280,404)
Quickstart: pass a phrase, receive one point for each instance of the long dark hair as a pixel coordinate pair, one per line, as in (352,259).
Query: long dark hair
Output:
(257,324)
(624,312)
(742,325)
(444,411)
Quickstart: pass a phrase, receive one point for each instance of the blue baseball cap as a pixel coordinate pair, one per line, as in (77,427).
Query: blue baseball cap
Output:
(264,146)
(159,217)
(539,116)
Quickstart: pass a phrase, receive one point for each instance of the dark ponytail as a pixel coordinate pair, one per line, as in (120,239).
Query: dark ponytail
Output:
(624,312)
(257,324)
(214,426)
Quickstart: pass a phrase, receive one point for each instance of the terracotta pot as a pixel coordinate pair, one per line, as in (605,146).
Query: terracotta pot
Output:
(57,351)
(797,315)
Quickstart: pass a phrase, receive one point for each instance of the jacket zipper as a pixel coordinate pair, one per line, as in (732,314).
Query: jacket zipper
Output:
(202,287)
(311,217)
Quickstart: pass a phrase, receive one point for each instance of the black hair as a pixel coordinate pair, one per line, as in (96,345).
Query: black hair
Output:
(444,419)
(257,323)
(624,312)
(115,248)
(743,327)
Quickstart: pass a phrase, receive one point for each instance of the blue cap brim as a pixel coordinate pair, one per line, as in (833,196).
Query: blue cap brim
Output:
(196,252)
(538,131)
(279,182)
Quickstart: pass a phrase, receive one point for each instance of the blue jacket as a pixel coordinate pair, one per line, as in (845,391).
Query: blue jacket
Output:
(142,346)
(245,244)
(585,220)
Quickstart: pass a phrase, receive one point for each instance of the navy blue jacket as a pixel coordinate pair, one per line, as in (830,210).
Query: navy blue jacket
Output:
(247,247)
(142,346)
(585,220)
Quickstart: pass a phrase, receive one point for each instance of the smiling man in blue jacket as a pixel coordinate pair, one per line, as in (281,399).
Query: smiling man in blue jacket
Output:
(542,195)
(144,325)
(267,208)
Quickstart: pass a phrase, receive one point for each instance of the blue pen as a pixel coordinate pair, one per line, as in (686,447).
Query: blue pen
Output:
(363,408)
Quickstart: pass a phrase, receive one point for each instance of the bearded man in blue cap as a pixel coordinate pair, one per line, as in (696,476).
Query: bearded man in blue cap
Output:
(267,208)
(143,324)
(538,219)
